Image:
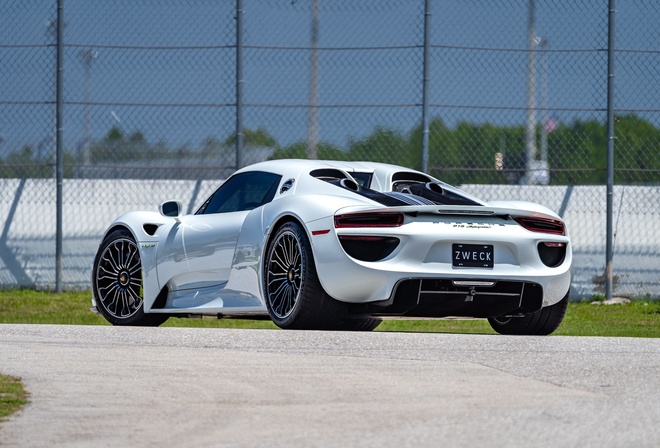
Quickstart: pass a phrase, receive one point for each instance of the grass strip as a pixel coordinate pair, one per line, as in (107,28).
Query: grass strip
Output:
(640,318)
(12,396)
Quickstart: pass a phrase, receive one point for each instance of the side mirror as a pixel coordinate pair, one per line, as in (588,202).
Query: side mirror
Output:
(171,209)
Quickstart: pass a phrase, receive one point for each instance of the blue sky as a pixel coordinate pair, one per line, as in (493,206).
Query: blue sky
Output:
(167,68)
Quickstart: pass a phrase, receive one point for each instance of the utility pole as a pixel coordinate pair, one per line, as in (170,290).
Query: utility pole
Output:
(609,250)
(59,149)
(426,86)
(87,56)
(312,128)
(543,42)
(530,132)
(239,84)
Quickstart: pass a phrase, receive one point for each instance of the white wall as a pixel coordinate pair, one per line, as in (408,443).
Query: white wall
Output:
(28,214)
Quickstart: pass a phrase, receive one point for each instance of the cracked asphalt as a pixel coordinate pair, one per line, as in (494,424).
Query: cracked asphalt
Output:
(109,386)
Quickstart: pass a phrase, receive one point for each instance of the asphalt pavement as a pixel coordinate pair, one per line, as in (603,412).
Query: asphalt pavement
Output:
(111,386)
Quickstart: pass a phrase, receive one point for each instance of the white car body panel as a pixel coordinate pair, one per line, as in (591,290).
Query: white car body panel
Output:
(199,250)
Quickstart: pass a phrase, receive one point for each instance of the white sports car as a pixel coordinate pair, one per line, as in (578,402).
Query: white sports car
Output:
(340,246)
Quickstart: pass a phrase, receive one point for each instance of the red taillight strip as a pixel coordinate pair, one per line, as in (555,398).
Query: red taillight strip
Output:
(553,244)
(354,220)
(362,238)
(320,232)
(542,225)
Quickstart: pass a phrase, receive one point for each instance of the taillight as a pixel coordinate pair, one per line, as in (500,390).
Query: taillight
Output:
(542,225)
(354,220)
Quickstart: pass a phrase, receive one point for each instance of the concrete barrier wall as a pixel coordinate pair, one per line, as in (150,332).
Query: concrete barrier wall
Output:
(28,216)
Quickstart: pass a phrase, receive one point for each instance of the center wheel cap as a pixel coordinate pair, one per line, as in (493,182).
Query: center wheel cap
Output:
(124,278)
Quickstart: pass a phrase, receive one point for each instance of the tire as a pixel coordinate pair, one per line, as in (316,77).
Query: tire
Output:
(541,323)
(117,282)
(294,296)
(359,324)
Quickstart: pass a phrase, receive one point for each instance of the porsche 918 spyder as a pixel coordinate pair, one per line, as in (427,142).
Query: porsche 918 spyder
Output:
(337,246)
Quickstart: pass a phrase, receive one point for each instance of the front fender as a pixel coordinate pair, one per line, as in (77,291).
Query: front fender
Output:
(147,229)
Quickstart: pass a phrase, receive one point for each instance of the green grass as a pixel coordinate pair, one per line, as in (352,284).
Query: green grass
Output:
(637,319)
(641,318)
(73,308)
(12,396)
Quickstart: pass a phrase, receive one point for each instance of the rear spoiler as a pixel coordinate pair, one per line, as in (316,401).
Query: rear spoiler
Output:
(532,211)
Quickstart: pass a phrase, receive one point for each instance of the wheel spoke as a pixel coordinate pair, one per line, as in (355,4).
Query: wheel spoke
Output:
(111,271)
(284,300)
(273,281)
(137,300)
(279,292)
(131,261)
(284,249)
(134,271)
(107,277)
(290,298)
(111,297)
(124,303)
(120,255)
(110,259)
(279,263)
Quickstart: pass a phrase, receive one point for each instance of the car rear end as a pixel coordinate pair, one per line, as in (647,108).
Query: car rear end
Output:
(435,261)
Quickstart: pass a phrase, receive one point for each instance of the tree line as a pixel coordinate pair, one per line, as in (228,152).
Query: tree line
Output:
(464,153)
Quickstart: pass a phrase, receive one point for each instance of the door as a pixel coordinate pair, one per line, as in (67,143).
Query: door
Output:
(199,251)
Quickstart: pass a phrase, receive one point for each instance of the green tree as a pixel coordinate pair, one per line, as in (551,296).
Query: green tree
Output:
(637,154)
(107,149)
(259,138)
(382,145)
(298,150)
(24,164)
(577,153)
(438,149)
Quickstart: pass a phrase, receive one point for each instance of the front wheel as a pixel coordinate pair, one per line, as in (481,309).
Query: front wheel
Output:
(117,282)
(541,323)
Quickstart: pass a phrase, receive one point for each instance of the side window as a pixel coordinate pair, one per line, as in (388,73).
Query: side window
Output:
(243,191)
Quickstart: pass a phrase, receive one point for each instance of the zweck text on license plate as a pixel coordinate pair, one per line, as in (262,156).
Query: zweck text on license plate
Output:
(472,255)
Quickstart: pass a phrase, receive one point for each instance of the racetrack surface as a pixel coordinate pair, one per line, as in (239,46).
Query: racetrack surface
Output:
(111,386)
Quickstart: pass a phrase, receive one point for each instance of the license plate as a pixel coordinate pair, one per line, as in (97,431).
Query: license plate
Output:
(472,255)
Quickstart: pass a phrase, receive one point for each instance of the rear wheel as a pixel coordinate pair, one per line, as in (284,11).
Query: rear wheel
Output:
(117,282)
(294,296)
(541,323)
(359,324)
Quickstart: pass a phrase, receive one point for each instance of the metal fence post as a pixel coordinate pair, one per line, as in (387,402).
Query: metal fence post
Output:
(530,128)
(239,84)
(59,157)
(313,124)
(610,152)
(425,86)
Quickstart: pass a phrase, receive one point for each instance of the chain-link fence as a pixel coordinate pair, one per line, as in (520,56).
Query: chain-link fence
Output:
(516,108)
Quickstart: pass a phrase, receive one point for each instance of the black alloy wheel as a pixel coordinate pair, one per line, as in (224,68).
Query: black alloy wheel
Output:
(294,296)
(117,282)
